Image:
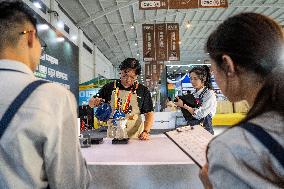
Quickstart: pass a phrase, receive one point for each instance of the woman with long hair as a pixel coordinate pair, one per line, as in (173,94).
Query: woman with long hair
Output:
(246,51)
(200,77)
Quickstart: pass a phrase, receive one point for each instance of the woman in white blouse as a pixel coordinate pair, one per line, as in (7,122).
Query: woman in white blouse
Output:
(205,98)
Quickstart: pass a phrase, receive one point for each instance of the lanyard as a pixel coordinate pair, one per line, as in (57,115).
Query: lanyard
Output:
(118,102)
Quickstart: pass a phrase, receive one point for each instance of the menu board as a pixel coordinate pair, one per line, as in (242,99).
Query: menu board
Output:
(192,141)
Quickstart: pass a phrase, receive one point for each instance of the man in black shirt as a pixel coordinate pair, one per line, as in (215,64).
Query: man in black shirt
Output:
(130,97)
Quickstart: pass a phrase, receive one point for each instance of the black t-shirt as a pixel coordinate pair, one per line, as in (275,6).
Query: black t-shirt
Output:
(143,95)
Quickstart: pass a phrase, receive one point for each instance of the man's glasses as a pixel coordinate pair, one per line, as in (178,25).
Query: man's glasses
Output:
(125,76)
(42,42)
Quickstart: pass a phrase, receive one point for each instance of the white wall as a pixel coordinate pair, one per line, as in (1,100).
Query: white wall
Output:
(86,59)
(103,66)
(90,65)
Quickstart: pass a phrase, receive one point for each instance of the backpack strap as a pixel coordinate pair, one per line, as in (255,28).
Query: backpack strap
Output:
(17,103)
(267,140)
(10,70)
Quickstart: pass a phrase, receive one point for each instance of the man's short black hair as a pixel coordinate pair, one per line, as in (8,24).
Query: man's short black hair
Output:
(131,63)
(13,16)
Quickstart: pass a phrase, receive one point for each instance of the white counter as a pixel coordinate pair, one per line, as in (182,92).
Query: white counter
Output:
(156,163)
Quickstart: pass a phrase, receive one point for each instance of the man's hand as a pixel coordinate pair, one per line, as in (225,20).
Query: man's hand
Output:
(144,136)
(203,175)
(94,102)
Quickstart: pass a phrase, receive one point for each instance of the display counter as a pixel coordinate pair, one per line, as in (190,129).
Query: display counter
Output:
(152,164)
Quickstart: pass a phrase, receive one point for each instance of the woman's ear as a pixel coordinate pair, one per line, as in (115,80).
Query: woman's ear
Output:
(229,65)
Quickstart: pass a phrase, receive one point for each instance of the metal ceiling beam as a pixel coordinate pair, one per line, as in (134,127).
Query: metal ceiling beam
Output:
(103,13)
(80,2)
(135,25)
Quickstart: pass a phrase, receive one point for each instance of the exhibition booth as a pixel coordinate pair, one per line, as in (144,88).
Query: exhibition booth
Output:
(156,163)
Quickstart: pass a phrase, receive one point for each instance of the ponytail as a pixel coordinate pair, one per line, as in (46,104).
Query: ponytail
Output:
(208,82)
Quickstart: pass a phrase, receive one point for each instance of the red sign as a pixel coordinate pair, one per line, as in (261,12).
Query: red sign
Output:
(148,42)
(153,4)
(173,41)
(161,42)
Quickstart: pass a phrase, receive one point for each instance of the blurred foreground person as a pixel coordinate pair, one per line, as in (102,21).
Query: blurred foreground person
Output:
(247,59)
(39,145)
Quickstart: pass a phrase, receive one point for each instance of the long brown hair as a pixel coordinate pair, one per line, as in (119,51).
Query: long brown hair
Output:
(255,43)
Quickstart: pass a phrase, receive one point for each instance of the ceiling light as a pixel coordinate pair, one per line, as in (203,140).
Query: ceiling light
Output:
(132,27)
(138,54)
(41,27)
(60,39)
(37,4)
(60,24)
(198,60)
(74,37)
(188,24)
(135,44)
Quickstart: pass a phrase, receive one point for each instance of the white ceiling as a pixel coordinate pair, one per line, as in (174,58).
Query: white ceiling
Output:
(108,24)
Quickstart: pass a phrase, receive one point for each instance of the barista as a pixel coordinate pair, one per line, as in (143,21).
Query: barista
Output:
(130,97)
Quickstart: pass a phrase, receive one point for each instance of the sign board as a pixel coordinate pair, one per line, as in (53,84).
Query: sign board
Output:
(161,42)
(153,4)
(59,63)
(147,70)
(213,3)
(148,42)
(173,41)
(183,4)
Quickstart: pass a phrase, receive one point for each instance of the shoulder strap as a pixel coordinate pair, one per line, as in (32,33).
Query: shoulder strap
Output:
(17,103)
(10,70)
(203,92)
(267,140)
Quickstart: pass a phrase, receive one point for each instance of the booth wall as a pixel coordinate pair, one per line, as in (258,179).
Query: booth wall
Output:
(92,64)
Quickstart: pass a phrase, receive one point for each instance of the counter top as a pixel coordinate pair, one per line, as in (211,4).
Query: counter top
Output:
(159,150)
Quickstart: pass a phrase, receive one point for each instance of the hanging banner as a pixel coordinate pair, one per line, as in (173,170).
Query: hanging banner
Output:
(161,42)
(148,42)
(153,4)
(147,71)
(213,3)
(161,67)
(183,4)
(173,41)
(153,68)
